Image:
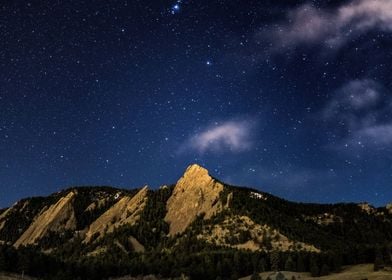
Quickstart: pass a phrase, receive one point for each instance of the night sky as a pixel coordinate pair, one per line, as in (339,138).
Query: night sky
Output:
(290,97)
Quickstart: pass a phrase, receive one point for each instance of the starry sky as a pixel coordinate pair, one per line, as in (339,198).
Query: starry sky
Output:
(290,97)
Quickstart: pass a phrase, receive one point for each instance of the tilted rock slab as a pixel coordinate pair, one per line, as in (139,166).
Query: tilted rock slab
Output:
(126,211)
(194,194)
(3,217)
(58,217)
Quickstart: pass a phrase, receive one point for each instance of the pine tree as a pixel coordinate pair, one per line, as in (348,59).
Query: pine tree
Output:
(275,260)
(236,263)
(209,267)
(314,268)
(324,270)
(289,264)
(388,255)
(378,262)
(219,268)
(262,265)
(336,262)
(255,276)
(23,264)
(300,264)
(235,276)
(3,264)
(255,262)
(280,276)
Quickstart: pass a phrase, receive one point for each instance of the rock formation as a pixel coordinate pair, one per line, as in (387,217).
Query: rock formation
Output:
(389,208)
(194,194)
(59,216)
(126,211)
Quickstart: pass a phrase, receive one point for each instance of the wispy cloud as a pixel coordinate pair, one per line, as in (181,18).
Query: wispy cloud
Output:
(334,27)
(233,136)
(362,108)
(377,135)
(355,101)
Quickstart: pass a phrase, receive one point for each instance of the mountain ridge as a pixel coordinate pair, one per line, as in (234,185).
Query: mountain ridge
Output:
(255,189)
(197,214)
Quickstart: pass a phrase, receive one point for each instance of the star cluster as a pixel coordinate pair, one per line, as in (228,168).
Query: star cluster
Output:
(293,99)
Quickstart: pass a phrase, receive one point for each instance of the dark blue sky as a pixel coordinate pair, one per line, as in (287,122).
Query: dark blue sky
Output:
(293,99)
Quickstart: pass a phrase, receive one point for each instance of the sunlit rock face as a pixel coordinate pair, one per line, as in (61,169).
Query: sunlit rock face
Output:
(195,193)
(126,211)
(59,216)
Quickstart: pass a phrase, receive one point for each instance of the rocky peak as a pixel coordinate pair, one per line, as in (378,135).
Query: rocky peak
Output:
(195,169)
(195,193)
(195,176)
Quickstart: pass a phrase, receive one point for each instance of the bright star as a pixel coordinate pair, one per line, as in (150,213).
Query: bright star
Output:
(175,9)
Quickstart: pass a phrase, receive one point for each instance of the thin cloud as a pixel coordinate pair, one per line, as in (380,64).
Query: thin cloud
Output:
(332,28)
(354,100)
(362,108)
(232,136)
(376,135)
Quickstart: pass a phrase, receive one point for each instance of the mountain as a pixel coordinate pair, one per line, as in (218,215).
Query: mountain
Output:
(199,227)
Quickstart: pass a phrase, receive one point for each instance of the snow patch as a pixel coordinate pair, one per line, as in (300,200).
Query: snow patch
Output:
(257,195)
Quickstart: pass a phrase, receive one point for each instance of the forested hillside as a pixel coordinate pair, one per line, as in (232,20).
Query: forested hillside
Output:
(220,232)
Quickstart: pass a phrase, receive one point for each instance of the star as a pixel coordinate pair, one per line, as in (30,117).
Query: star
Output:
(99,86)
(176,8)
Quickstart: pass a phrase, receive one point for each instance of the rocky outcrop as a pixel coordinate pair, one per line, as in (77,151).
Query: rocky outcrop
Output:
(367,208)
(97,204)
(195,193)
(3,217)
(136,245)
(59,216)
(242,232)
(389,208)
(126,211)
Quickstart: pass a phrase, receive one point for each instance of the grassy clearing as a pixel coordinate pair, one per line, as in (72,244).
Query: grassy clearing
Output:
(11,276)
(357,272)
